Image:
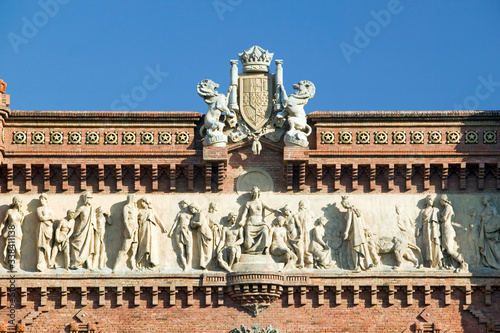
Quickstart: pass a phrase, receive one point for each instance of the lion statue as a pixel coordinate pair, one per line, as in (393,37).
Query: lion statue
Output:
(295,113)
(217,104)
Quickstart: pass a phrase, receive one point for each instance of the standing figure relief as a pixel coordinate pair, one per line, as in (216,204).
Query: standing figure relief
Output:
(12,232)
(431,234)
(200,224)
(489,234)
(83,238)
(182,235)
(229,249)
(355,233)
(45,231)
(102,219)
(130,234)
(148,251)
(448,233)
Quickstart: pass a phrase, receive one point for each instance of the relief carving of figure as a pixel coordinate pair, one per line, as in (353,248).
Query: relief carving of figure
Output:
(130,233)
(256,231)
(374,246)
(62,235)
(295,235)
(473,236)
(199,223)
(148,252)
(321,252)
(448,233)
(431,236)
(102,218)
(13,234)
(45,231)
(489,235)
(214,219)
(182,235)
(294,111)
(212,128)
(229,250)
(355,233)
(279,246)
(305,218)
(406,248)
(83,239)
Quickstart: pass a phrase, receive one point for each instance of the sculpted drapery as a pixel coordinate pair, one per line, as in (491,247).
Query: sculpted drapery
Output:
(83,240)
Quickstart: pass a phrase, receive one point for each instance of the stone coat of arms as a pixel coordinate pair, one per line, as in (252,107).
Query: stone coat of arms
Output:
(256,105)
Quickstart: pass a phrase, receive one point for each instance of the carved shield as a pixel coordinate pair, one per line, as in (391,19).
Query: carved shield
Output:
(256,98)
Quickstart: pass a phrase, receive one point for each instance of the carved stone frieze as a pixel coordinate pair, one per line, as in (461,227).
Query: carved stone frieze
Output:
(251,231)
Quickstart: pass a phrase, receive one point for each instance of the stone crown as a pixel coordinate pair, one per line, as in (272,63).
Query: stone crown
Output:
(256,59)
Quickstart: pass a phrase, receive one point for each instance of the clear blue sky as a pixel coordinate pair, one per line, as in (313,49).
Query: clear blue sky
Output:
(361,55)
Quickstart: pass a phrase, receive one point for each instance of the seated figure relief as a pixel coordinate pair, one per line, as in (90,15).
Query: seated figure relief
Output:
(229,249)
(256,231)
(321,252)
(279,246)
(295,235)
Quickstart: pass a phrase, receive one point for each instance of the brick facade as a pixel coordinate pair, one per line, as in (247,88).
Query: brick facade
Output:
(405,152)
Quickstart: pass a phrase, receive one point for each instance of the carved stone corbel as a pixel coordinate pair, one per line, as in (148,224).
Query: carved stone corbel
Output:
(338,294)
(119,296)
(220,296)
(409,294)
(427,295)
(64,296)
(463,176)
(321,295)
(154,295)
(319,177)
(373,294)
(447,294)
(390,294)
(119,178)
(355,295)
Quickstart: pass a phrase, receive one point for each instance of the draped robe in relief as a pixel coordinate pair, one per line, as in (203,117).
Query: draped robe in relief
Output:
(257,232)
(358,241)
(431,236)
(489,238)
(148,254)
(83,241)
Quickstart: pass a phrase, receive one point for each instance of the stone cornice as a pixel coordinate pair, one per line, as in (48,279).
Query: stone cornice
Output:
(321,116)
(105,116)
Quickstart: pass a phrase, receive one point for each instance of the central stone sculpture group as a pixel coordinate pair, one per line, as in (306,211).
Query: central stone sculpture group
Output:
(79,237)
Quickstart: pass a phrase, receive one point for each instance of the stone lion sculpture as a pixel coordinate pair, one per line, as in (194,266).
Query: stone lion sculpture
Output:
(212,128)
(295,113)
